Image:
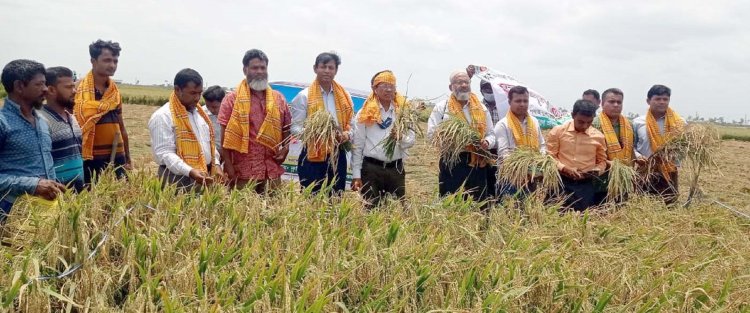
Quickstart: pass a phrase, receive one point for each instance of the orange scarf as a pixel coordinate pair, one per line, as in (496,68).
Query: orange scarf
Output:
(528,138)
(188,147)
(618,148)
(344,113)
(479,123)
(370,112)
(673,125)
(88,110)
(237,133)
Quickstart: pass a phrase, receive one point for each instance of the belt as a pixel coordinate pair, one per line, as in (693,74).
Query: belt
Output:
(392,164)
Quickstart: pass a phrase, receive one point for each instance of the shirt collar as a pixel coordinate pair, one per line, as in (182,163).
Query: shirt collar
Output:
(16,108)
(572,128)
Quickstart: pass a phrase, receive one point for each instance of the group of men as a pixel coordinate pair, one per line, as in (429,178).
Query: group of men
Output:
(583,147)
(56,133)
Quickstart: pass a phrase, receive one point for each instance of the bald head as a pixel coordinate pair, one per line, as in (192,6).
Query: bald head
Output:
(459,73)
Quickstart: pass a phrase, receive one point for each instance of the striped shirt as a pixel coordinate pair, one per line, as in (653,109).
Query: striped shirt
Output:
(104,135)
(66,147)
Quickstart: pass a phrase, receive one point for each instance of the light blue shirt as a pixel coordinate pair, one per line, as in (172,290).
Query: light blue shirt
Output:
(25,153)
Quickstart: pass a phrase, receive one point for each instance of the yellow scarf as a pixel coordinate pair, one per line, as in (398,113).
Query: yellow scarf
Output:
(188,147)
(618,148)
(672,126)
(88,110)
(479,123)
(344,113)
(237,134)
(529,138)
(370,112)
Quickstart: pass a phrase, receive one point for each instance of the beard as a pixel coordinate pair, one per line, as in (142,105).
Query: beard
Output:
(258,84)
(461,96)
(37,104)
(68,104)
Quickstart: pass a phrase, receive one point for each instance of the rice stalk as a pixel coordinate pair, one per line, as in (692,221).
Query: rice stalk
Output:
(621,181)
(320,131)
(696,147)
(452,137)
(525,166)
(407,119)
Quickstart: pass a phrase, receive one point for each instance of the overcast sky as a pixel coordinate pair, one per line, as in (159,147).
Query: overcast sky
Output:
(701,49)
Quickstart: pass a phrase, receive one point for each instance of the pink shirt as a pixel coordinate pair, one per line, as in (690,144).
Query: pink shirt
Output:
(258,162)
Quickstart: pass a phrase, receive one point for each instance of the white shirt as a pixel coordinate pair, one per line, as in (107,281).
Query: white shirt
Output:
(163,140)
(217,127)
(298,108)
(440,113)
(506,144)
(367,140)
(642,142)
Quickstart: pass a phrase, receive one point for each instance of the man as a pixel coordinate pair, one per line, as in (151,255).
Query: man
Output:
(98,110)
(213,96)
(618,134)
(518,129)
(580,151)
(182,137)
(660,124)
(376,173)
(63,127)
(592,96)
(471,170)
(313,166)
(255,121)
(25,161)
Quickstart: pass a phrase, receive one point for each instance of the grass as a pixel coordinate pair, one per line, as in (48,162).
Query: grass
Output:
(148,95)
(739,133)
(239,252)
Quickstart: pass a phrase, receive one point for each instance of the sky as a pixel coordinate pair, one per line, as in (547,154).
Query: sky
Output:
(700,49)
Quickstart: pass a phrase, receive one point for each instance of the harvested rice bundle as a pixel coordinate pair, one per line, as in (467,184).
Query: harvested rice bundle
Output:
(320,131)
(451,138)
(697,146)
(621,181)
(407,118)
(523,166)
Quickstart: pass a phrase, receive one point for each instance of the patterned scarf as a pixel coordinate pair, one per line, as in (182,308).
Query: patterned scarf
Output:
(672,125)
(528,138)
(188,147)
(344,113)
(88,110)
(237,133)
(479,123)
(370,112)
(618,148)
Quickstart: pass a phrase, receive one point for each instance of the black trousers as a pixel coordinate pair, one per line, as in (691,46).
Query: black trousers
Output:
(94,168)
(667,189)
(380,179)
(579,194)
(472,178)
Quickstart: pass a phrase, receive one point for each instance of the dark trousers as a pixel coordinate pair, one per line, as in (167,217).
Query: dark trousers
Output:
(492,178)
(666,189)
(318,173)
(5,207)
(94,168)
(183,183)
(473,179)
(579,194)
(380,179)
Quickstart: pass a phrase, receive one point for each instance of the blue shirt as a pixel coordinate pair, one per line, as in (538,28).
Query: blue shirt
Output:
(25,153)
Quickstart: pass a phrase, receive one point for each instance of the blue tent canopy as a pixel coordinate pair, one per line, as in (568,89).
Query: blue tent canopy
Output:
(290,90)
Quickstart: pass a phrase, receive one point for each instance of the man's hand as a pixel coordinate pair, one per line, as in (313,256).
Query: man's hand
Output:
(201,178)
(219,174)
(280,155)
(48,189)
(356,184)
(641,161)
(229,172)
(572,173)
(342,137)
(128,166)
(485,145)
(470,70)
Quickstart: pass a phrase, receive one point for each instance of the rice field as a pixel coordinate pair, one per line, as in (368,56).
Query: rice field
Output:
(294,252)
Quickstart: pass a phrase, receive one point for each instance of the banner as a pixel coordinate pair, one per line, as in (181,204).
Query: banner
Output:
(539,107)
